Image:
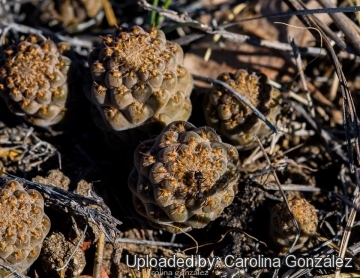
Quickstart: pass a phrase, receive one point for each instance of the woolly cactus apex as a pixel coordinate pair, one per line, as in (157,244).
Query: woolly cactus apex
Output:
(184,178)
(282,228)
(234,119)
(33,80)
(138,78)
(23,225)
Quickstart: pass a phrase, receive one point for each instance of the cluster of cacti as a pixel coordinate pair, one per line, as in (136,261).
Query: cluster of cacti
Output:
(184,178)
(282,227)
(138,78)
(69,12)
(233,118)
(23,225)
(33,80)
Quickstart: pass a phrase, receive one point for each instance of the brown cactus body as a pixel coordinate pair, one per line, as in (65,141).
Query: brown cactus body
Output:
(23,225)
(33,80)
(69,12)
(138,78)
(184,178)
(282,228)
(234,119)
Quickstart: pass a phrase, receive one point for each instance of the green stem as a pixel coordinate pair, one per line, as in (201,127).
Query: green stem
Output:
(153,13)
(160,18)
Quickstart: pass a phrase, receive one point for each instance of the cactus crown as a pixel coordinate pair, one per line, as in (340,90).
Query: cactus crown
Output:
(185,177)
(282,228)
(33,80)
(138,78)
(23,225)
(234,119)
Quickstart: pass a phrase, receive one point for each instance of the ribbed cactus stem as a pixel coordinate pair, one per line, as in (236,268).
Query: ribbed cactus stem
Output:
(184,178)
(235,120)
(137,78)
(23,225)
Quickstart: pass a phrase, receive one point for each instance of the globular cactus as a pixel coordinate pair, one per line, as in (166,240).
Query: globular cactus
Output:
(138,78)
(56,250)
(68,13)
(234,119)
(184,178)
(23,225)
(282,228)
(33,80)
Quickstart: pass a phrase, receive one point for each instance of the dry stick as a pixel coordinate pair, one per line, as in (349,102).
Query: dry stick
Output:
(82,26)
(65,200)
(240,38)
(339,42)
(285,200)
(185,20)
(29,30)
(302,76)
(184,17)
(295,187)
(99,256)
(299,12)
(81,240)
(150,242)
(239,97)
(13,271)
(330,143)
(344,24)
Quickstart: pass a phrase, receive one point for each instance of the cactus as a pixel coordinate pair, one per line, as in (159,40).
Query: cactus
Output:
(234,119)
(23,225)
(69,12)
(138,78)
(33,80)
(184,178)
(282,228)
(56,250)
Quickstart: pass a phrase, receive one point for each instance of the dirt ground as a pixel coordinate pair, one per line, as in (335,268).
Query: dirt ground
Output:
(314,156)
